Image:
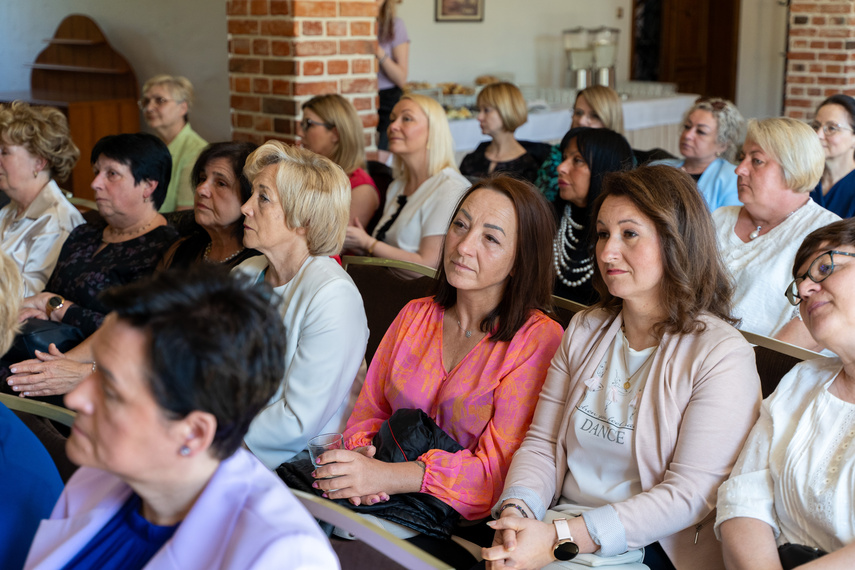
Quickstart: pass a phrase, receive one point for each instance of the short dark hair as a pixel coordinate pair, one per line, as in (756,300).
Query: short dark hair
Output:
(845,101)
(604,151)
(833,235)
(216,344)
(694,279)
(146,155)
(530,285)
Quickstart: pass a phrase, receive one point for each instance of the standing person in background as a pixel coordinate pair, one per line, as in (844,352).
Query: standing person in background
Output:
(835,125)
(165,104)
(393,59)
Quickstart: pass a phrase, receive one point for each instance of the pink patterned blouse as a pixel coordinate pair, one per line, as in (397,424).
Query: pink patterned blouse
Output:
(485,403)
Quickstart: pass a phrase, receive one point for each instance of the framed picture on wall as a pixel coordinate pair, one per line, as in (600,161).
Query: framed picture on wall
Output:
(459,10)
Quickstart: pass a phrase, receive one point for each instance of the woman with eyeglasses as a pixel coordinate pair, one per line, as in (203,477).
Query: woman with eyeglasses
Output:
(835,125)
(165,104)
(793,488)
(330,127)
(712,129)
(782,161)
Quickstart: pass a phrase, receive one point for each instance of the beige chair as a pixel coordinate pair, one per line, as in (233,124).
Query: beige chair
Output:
(396,550)
(565,309)
(36,408)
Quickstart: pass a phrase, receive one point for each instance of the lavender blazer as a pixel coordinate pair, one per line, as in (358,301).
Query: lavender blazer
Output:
(244,518)
(700,402)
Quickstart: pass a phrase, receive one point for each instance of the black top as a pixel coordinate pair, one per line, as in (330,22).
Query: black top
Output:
(476,165)
(584,292)
(190,250)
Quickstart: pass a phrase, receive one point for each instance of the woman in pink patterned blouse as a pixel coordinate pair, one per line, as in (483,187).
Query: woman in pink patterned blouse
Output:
(473,358)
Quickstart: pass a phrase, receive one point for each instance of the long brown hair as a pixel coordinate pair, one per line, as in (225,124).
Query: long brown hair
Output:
(386,21)
(694,279)
(529,287)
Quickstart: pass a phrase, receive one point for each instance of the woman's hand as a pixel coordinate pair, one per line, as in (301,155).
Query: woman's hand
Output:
(520,543)
(48,374)
(34,307)
(357,239)
(357,476)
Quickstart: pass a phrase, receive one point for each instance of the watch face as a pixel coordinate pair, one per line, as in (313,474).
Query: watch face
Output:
(55,302)
(566,551)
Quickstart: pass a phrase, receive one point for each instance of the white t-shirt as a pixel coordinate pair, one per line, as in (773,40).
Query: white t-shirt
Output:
(427,211)
(797,470)
(762,268)
(601,464)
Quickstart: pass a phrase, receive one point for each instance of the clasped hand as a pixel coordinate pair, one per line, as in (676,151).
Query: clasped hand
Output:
(520,543)
(48,374)
(353,475)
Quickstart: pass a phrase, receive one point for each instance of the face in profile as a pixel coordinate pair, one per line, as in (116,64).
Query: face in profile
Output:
(217,198)
(315,135)
(760,178)
(264,224)
(481,243)
(574,176)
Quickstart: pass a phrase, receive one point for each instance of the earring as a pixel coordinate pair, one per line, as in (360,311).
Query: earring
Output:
(184,451)
(35,173)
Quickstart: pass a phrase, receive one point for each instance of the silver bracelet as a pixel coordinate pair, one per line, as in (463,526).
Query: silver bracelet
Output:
(384,58)
(513,506)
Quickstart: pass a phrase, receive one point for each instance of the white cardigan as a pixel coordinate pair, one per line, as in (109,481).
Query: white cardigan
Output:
(326,333)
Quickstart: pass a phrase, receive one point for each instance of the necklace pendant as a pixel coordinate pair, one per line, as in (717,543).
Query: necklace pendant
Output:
(627,385)
(755,234)
(468,334)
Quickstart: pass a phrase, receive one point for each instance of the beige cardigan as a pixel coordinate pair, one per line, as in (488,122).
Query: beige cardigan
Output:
(700,402)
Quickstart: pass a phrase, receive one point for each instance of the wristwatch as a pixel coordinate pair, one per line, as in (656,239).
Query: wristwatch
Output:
(565,549)
(54,303)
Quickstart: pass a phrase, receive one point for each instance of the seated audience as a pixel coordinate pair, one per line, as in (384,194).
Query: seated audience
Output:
(834,123)
(35,150)
(165,104)
(296,217)
(427,185)
(647,402)
(792,488)
(131,176)
(589,154)
(472,358)
(163,481)
(712,129)
(24,462)
(501,111)
(782,161)
(331,128)
(597,107)
(221,188)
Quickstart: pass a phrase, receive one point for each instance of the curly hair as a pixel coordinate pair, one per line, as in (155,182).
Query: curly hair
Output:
(43,131)
(730,128)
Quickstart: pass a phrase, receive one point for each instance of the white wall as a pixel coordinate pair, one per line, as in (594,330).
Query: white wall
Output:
(179,37)
(522,37)
(760,71)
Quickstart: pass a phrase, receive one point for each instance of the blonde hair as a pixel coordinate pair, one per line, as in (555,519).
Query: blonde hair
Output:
(729,122)
(508,101)
(11,293)
(440,145)
(43,132)
(313,190)
(179,87)
(338,113)
(605,102)
(794,146)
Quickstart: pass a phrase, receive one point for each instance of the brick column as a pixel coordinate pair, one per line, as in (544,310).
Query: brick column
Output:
(820,54)
(283,52)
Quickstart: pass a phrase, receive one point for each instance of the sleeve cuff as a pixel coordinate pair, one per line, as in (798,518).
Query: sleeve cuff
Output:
(605,528)
(531,499)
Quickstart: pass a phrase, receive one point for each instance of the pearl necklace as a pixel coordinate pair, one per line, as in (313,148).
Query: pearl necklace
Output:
(756,233)
(561,248)
(226,260)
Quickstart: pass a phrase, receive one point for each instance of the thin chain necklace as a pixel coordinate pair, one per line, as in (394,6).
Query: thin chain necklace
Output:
(207,254)
(756,233)
(564,243)
(628,384)
(117,235)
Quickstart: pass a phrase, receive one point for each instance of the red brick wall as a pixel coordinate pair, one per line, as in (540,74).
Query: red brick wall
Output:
(283,52)
(820,54)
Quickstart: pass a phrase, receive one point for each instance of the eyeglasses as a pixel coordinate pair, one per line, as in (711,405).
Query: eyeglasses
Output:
(306,124)
(714,102)
(830,129)
(819,270)
(158,102)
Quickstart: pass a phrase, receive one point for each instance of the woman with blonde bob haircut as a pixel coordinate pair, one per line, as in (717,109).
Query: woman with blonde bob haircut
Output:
(427,185)
(35,150)
(782,160)
(501,111)
(331,128)
(296,217)
(166,104)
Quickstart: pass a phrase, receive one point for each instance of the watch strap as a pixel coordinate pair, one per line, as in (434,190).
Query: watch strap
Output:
(562,527)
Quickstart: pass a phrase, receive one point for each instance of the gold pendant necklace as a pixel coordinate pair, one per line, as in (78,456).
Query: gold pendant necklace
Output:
(628,384)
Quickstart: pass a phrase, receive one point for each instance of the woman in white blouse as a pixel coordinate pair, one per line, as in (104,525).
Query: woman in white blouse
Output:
(35,149)
(296,217)
(427,186)
(795,479)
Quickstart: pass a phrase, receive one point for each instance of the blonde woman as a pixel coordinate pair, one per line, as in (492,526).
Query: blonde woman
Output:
(331,128)
(35,150)
(501,111)
(427,186)
(166,104)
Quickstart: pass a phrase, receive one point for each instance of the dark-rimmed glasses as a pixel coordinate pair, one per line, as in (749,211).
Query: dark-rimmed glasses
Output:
(830,129)
(306,124)
(818,271)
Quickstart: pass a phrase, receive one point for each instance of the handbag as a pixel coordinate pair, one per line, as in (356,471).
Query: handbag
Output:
(38,334)
(794,555)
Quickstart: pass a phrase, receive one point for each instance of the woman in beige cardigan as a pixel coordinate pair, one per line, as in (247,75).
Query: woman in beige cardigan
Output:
(647,402)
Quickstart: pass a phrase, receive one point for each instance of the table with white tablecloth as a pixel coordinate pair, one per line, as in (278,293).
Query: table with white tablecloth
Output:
(649,123)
